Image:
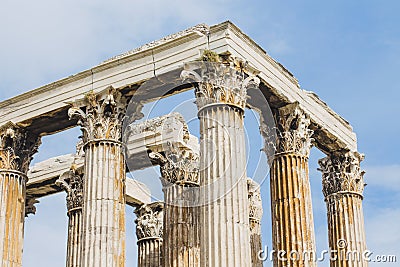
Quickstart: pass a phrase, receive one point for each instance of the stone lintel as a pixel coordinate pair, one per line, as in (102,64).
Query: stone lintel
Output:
(43,175)
(43,110)
(157,135)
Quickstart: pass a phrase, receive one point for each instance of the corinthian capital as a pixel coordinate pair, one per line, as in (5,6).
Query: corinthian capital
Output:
(72,182)
(178,165)
(293,134)
(17,147)
(149,222)
(341,173)
(102,116)
(224,81)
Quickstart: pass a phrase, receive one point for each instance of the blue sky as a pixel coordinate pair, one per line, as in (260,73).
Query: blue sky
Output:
(348,52)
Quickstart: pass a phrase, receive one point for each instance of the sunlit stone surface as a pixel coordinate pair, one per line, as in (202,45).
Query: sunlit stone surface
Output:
(211,213)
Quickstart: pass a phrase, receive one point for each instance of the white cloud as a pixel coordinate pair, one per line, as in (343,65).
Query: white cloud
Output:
(43,41)
(382,224)
(385,176)
(383,233)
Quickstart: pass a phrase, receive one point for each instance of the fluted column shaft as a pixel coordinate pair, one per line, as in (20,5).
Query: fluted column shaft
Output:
(74,245)
(221,92)
(292,218)
(149,252)
(343,186)
(149,232)
(225,235)
(179,177)
(103,225)
(72,182)
(17,147)
(255,215)
(181,230)
(104,205)
(12,216)
(291,206)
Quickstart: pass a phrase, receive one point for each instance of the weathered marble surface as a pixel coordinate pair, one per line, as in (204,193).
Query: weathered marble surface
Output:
(43,175)
(166,141)
(156,135)
(343,186)
(291,204)
(149,233)
(223,198)
(225,237)
(17,146)
(43,110)
(255,216)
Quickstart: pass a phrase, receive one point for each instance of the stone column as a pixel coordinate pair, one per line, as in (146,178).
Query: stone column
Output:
(149,232)
(291,208)
(16,150)
(221,92)
(72,183)
(343,186)
(255,216)
(179,171)
(103,228)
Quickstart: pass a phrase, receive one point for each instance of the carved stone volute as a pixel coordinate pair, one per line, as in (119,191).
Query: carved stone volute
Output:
(224,81)
(17,147)
(293,134)
(341,173)
(102,118)
(178,166)
(72,182)
(149,222)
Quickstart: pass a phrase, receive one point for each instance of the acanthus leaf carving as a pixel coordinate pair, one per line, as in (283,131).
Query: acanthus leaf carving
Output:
(268,132)
(149,221)
(220,83)
(72,183)
(17,147)
(292,131)
(341,173)
(178,165)
(102,118)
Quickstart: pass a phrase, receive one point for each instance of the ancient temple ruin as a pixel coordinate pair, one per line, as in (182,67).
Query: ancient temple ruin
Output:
(211,212)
